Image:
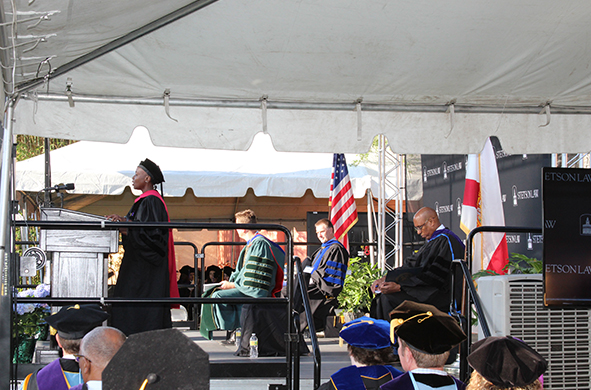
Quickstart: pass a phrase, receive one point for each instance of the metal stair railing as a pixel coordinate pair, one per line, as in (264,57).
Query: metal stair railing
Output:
(473,297)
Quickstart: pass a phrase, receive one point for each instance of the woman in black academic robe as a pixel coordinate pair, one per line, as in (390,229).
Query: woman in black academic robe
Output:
(144,271)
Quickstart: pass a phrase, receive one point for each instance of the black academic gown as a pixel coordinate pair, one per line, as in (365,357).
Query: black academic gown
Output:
(325,283)
(425,276)
(144,271)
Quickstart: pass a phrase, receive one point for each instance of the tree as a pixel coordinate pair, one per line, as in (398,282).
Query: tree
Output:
(28,146)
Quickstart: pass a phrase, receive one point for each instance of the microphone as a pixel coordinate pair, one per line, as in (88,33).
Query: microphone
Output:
(60,187)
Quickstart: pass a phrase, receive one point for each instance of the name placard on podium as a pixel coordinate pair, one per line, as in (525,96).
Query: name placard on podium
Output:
(79,259)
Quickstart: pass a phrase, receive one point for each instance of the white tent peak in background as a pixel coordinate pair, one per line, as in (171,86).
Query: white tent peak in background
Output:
(104,168)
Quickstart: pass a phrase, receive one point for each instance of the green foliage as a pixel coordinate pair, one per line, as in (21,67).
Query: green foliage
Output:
(356,295)
(30,146)
(518,264)
(521,264)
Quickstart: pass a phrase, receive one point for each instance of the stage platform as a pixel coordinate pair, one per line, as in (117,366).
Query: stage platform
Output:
(333,357)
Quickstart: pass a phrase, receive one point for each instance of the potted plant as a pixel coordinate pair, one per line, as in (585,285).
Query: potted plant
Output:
(355,299)
(517,264)
(30,323)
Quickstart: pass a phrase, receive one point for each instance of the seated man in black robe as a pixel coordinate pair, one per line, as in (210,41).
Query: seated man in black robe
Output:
(426,275)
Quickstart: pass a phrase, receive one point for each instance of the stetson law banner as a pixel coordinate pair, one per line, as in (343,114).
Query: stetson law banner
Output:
(566,197)
(444,177)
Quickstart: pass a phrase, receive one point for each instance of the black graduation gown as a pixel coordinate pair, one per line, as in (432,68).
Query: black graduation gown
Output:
(144,271)
(323,293)
(425,276)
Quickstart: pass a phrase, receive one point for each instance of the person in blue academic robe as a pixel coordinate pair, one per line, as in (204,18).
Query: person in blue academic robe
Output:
(324,273)
(370,349)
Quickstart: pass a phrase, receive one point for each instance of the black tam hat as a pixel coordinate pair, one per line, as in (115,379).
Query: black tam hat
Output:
(153,171)
(187,269)
(74,321)
(158,360)
(506,361)
(425,328)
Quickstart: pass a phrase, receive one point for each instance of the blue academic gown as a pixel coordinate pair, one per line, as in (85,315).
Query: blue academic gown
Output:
(356,378)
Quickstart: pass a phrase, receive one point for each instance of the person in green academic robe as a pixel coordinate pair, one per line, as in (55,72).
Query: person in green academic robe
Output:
(259,273)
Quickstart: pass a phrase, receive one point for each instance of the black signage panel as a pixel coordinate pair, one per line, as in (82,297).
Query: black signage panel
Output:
(520,177)
(567,236)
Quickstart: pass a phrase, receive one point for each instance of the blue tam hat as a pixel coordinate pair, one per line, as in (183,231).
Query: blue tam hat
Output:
(367,333)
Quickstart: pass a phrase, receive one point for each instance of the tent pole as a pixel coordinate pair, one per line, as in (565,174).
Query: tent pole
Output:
(117,43)
(5,218)
(47,195)
(381,201)
(293,105)
(372,258)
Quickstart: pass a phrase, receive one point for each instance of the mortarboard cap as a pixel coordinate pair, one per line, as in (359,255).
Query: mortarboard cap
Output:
(367,332)
(152,170)
(74,321)
(164,359)
(506,361)
(425,328)
(187,269)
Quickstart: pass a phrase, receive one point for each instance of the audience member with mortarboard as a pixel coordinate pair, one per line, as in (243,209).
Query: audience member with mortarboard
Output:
(425,337)
(71,323)
(505,363)
(370,350)
(187,276)
(148,267)
(186,279)
(158,360)
(227,272)
(213,274)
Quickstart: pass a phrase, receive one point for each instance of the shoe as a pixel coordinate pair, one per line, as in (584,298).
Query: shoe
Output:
(230,338)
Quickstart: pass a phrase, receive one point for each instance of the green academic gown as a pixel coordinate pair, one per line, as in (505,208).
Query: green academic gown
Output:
(259,273)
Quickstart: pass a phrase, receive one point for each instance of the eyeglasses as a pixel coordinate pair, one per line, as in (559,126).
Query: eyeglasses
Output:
(420,227)
(82,356)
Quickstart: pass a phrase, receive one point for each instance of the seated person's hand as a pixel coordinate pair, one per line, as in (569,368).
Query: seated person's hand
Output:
(390,287)
(227,285)
(377,284)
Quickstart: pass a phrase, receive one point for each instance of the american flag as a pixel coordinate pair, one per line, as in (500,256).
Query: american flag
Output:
(343,211)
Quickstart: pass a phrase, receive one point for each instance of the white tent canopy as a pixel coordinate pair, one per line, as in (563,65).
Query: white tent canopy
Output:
(434,77)
(99,168)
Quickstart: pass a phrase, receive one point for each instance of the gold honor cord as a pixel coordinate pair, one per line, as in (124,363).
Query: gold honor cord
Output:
(151,378)
(396,322)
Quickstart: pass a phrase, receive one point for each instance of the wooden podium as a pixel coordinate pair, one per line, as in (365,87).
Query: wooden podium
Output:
(79,261)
